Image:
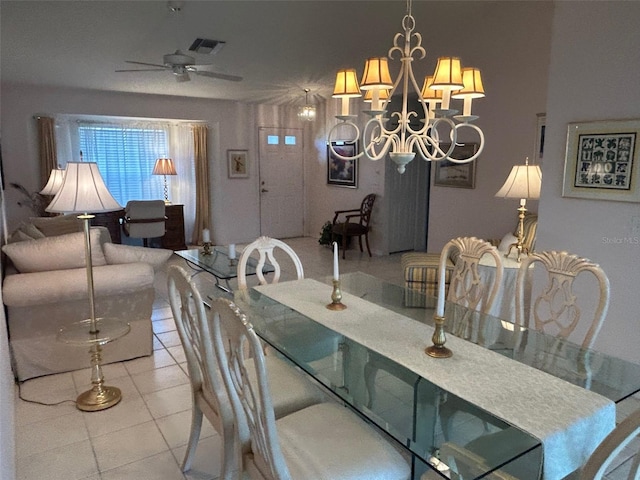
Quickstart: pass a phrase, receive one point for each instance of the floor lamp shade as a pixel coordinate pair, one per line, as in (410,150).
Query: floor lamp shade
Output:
(54,183)
(83,191)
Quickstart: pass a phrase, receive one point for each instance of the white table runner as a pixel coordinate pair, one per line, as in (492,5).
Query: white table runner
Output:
(570,421)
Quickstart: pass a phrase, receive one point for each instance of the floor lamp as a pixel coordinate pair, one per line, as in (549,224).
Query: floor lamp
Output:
(164,167)
(523,182)
(84,191)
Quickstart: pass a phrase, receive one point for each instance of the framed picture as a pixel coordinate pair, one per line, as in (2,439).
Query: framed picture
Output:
(237,163)
(460,175)
(602,161)
(539,146)
(342,173)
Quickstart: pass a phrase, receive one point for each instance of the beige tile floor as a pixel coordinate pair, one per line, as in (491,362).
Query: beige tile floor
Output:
(145,435)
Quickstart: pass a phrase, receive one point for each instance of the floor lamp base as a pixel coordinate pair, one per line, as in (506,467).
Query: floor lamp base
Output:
(98,398)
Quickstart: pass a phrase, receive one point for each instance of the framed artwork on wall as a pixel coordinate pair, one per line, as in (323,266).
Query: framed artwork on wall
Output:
(237,162)
(459,175)
(342,173)
(541,125)
(602,161)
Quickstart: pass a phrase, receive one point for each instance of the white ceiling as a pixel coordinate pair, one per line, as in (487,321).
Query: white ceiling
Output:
(279,47)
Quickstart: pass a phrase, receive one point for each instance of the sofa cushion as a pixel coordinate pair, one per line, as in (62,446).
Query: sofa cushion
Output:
(61,252)
(59,225)
(117,254)
(61,286)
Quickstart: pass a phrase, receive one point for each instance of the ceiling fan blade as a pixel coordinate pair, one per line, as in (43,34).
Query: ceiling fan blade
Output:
(221,76)
(147,64)
(144,70)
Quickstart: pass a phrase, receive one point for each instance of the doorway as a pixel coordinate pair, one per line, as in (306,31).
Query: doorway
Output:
(281,182)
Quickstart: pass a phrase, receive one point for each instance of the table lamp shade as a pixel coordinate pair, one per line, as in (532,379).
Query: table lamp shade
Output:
(524,181)
(54,183)
(164,166)
(83,191)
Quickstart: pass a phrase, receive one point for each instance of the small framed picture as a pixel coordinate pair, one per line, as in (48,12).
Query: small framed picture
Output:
(602,161)
(342,173)
(541,125)
(238,163)
(459,175)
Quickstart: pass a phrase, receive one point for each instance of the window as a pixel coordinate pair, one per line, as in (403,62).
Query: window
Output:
(273,139)
(126,157)
(289,140)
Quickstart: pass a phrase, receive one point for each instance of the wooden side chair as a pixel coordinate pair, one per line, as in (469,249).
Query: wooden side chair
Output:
(325,441)
(555,310)
(348,228)
(209,398)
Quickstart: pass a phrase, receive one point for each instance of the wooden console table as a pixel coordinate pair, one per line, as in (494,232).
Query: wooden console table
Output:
(173,238)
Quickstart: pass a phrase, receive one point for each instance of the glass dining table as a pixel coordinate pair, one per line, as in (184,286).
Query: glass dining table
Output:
(444,434)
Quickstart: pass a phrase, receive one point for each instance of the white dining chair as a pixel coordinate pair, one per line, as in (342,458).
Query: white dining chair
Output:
(291,391)
(265,247)
(321,442)
(555,309)
(612,447)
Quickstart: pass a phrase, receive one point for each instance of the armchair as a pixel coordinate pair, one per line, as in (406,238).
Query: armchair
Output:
(347,228)
(144,219)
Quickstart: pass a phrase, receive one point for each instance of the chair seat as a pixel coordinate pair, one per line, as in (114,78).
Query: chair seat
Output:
(351,229)
(303,440)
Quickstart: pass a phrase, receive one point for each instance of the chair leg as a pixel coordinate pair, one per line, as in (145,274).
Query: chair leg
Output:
(194,435)
(366,239)
(344,244)
(360,242)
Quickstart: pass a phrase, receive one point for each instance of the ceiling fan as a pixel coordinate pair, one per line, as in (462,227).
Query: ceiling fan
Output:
(181,65)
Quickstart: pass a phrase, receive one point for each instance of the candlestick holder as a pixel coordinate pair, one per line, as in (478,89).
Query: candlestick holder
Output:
(438,350)
(336,297)
(206,248)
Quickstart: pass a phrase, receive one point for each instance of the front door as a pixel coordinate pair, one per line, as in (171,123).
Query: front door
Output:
(281,182)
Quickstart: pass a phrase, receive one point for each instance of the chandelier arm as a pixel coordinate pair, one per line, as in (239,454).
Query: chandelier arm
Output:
(355,139)
(377,135)
(480,144)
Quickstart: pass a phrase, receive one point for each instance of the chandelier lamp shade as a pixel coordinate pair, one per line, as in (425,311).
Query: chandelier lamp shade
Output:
(164,167)
(307,112)
(524,182)
(56,177)
(441,123)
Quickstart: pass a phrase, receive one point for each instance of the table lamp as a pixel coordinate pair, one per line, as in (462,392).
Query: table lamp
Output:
(84,191)
(523,182)
(56,177)
(164,167)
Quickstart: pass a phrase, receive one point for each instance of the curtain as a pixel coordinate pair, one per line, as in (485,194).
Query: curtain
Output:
(181,150)
(47,147)
(201,182)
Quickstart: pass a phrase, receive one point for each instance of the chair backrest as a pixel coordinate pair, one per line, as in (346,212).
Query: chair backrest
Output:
(613,444)
(236,345)
(467,287)
(145,218)
(265,247)
(555,310)
(366,208)
(191,321)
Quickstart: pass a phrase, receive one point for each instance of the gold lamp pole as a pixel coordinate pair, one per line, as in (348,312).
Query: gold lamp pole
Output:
(164,167)
(523,182)
(83,191)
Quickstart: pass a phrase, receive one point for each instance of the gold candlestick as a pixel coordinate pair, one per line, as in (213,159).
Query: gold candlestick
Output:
(206,248)
(438,350)
(336,297)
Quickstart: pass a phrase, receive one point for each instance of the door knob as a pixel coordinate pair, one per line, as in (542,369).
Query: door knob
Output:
(264,190)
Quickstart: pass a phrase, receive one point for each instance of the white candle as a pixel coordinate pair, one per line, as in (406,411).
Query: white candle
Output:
(440,304)
(206,237)
(336,273)
(232,251)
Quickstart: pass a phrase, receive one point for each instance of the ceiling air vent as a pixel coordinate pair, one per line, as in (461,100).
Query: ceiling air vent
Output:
(204,45)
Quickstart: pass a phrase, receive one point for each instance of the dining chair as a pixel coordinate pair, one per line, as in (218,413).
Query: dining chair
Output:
(321,442)
(555,310)
(347,228)
(265,247)
(209,398)
(144,219)
(612,447)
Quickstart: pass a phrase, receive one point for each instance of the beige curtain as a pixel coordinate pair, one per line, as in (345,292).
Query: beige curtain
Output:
(47,146)
(202,182)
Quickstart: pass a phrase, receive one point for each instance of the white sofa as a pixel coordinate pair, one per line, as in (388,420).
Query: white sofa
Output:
(45,288)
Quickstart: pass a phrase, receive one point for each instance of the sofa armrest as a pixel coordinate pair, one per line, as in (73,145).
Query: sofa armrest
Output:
(116,254)
(41,288)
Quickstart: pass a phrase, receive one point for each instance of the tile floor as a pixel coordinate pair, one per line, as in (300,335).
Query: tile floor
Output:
(145,435)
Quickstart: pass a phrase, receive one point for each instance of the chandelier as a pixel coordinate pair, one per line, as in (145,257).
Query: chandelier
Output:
(307,112)
(436,137)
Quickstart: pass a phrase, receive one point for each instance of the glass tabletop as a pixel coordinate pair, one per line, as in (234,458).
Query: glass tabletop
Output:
(84,333)
(219,264)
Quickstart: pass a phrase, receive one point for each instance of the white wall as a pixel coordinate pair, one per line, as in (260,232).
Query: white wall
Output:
(594,71)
